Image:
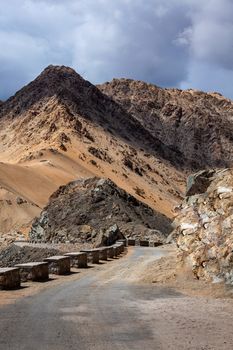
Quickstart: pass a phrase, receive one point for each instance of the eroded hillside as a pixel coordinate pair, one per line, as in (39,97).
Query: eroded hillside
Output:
(60,128)
(197,126)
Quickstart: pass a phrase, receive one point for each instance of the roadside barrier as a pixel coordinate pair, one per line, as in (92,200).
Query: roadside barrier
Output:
(78,259)
(11,277)
(59,264)
(94,254)
(34,271)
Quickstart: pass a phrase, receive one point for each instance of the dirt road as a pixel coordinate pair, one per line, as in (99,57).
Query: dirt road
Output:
(107,309)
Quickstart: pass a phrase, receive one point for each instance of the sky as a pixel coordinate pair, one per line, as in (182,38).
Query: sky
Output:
(170,43)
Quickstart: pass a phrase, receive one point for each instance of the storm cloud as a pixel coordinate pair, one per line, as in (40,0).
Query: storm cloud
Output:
(173,43)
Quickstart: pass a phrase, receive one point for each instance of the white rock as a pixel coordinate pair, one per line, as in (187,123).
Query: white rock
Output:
(188,226)
(223,189)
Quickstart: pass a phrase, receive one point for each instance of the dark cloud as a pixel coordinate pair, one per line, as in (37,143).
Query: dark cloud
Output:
(169,43)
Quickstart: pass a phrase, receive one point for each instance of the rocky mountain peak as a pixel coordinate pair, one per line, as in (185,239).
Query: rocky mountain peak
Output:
(56,70)
(55,81)
(58,77)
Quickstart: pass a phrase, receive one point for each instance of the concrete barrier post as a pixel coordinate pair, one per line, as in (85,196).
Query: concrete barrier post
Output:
(144,243)
(110,252)
(82,260)
(78,259)
(124,241)
(94,254)
(34,271)
(157,244)
(95,257)
(59,265)
(103,254)
(121,246)
(131,242)
(117,250)
(9,278)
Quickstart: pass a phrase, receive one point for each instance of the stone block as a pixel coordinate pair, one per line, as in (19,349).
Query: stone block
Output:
(144,243)
(59,265)
(124,241)
(117,250)
(78,259)
(157,244)
(34,271)
(131,242)
(121,246)
(103,253)
(110,252)
(9,278)
(94,254)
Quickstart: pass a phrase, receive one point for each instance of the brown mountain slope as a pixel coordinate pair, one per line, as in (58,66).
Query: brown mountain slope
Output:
(196,125)
(60,128)
(58,95)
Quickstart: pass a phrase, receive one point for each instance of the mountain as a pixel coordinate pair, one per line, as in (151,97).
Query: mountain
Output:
(60,94)
(197,126)
(60,128)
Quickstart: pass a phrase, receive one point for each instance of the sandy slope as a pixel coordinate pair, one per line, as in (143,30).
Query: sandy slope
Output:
(33,182)
(35,178)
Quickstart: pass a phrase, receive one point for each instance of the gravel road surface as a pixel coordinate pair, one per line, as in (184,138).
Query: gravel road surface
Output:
(107,309)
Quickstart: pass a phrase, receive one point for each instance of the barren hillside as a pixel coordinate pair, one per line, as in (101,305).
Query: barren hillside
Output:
(197,126)
(60,128)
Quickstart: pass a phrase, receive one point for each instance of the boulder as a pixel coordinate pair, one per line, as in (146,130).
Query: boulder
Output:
(110,236)
(199,182)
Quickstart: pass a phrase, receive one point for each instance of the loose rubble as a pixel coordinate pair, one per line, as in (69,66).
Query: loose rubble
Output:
(13,255)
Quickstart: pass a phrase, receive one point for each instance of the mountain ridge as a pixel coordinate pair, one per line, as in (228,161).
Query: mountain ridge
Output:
(201,122)
(69,90)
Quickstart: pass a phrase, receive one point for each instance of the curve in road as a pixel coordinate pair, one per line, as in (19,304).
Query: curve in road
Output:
(107,309)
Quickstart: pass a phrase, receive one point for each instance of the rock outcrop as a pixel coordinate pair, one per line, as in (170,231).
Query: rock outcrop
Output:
(204,226)
(97,211)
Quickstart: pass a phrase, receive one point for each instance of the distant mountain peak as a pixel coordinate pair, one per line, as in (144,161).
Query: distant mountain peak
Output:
(57,68)
(58,72)
(54,81)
